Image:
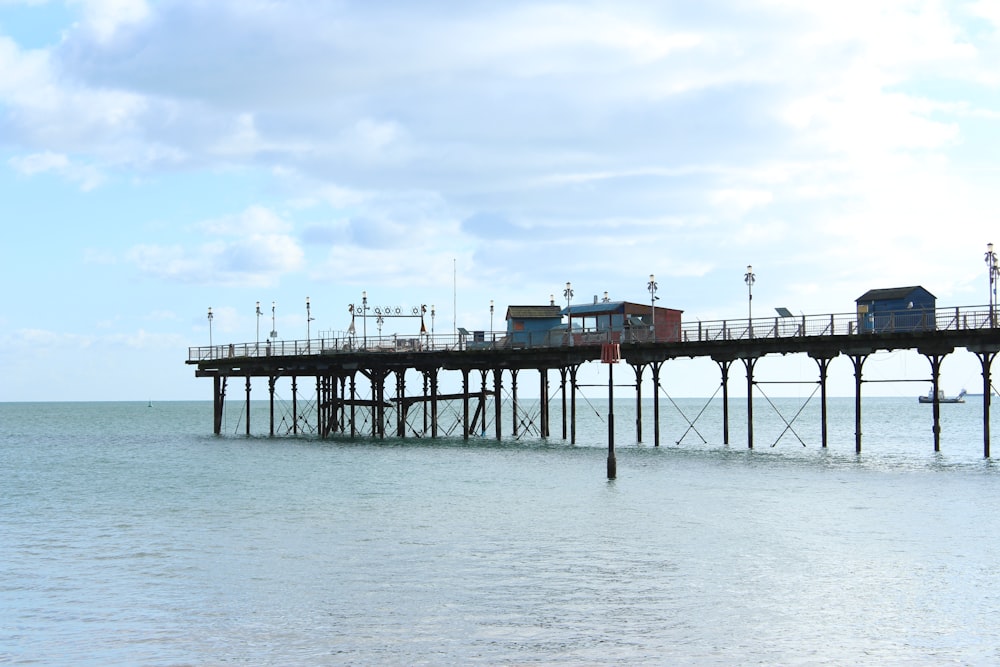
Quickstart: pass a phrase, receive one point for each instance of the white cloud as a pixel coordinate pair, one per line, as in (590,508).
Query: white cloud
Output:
(739,201)
(255,220)
(87,177)
(253,248)
(104,18)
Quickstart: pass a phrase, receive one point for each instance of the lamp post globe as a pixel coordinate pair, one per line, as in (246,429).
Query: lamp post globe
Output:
(652,287)
(749,278)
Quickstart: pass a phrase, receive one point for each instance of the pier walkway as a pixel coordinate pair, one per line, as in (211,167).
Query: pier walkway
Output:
(335,362)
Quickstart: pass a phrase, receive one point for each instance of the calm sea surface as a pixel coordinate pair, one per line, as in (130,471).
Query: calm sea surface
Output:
(130,535)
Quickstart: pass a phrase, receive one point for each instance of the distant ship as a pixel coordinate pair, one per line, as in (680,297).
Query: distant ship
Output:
(929,398)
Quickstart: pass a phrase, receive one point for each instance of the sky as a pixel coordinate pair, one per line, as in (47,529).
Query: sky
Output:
(158,159)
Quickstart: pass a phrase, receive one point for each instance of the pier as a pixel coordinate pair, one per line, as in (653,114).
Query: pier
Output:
(329,369)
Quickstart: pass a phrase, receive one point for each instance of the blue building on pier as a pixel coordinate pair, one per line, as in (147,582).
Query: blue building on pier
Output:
(896,309)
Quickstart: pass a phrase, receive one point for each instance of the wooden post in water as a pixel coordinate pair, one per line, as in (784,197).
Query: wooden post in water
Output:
(610,355)
(612,463)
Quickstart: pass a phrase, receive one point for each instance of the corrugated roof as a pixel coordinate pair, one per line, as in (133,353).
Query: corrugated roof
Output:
(605,307)
(890,293)
(594,308)
(533,312)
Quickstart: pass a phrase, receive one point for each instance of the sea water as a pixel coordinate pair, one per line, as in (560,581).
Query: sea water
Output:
(130,535)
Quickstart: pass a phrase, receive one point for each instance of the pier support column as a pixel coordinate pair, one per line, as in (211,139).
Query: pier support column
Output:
(378,409)
(824,364)
(425,401)
(986,357)
(497,403)
(656,402)
(354,395)
(935,358)
(248,405)
(482,402)
(334,402)
(543,407)
(750,362)
(513,398)
(341,426)
(572,404)
(562,391)
(218,402)
(724,370)
(465,404)
(295,405)
(320,427)
(434,402)
(270,393)
(859,361)
(638,369)
(400,410)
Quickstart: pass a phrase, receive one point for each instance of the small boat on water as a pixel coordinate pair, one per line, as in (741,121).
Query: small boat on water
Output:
(929,398)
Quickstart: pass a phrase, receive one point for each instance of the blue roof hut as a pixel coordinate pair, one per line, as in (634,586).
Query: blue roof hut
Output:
(532,325)
(896,309)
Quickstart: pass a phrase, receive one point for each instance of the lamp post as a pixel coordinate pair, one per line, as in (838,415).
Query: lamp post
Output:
(364,318)
(491,318)
(749,279)
(210,326)
(996,279)
(432,325)
(991,266)
(652,302)
(257,345)
(568,293)
(309,319)
(423,327)
(274,328)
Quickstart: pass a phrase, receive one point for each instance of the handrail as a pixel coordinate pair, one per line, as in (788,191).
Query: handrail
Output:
(958,318)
